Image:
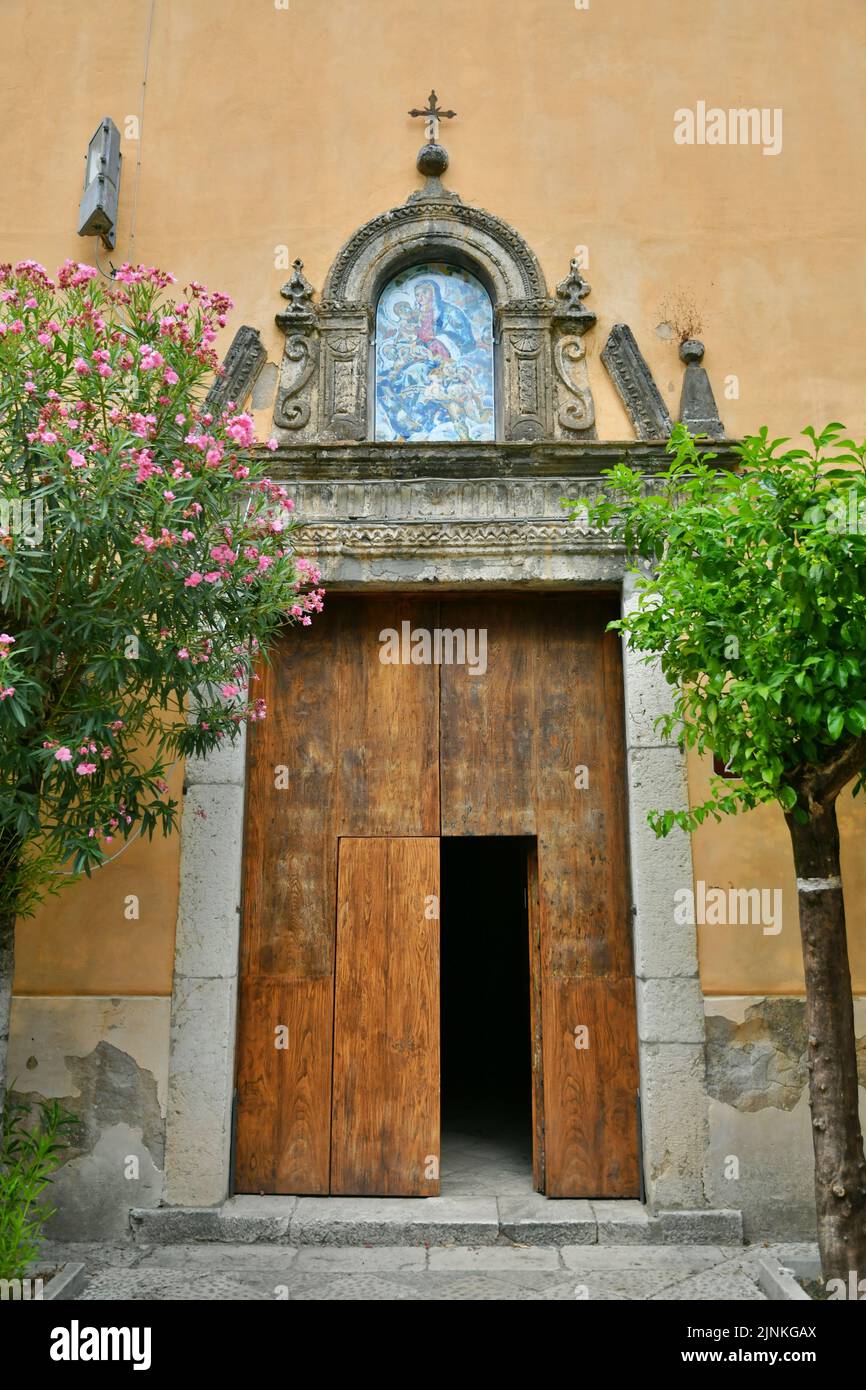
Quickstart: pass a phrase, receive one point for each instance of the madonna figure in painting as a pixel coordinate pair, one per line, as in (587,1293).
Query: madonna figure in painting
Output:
(442,326)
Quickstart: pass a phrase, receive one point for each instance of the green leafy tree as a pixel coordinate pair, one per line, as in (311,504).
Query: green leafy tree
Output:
(145,565)
(753,598)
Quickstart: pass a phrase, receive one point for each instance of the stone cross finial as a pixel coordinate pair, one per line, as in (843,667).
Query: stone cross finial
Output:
(299,292)
(573,289)
(433,115)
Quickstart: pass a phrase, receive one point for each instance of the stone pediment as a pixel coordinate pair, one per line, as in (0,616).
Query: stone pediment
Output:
(542,387)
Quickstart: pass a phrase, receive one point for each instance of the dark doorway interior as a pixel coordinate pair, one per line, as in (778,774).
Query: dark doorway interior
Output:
(485,1037)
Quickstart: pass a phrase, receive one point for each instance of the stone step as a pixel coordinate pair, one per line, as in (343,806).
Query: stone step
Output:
(358,1221)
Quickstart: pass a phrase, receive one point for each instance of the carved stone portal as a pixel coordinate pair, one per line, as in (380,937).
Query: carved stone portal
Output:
(326,390)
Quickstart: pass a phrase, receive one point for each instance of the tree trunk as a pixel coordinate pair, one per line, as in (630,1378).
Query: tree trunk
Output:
(10,861)
(840,1167)
(7,964)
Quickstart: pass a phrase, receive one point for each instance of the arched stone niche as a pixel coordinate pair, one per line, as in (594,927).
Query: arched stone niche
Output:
(326,378)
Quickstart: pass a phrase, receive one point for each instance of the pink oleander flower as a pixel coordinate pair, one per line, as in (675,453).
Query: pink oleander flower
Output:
(86,769)
(193,580)
(63,755)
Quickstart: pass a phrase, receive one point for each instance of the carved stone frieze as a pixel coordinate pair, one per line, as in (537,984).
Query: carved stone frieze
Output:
(393,513)
(243,362)
(492,538)
(635,385)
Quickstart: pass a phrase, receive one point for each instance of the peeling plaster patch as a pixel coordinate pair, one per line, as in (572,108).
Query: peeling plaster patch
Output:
(105,1059)
(115,1090)
(94,1192)
(117,1151)
(111,1089)
(47,1029)
(762,1061)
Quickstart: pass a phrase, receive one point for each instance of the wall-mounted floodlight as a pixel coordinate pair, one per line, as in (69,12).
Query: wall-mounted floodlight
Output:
(97,215)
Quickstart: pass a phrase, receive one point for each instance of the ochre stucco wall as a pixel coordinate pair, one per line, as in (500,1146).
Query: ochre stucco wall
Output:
(754,851)
(264,128)
(89,942)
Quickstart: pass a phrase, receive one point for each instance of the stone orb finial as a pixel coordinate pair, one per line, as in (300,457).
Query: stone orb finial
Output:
(691,350)
(432,160)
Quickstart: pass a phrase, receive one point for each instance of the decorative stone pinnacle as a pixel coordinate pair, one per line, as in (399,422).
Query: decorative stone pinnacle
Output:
(698,410)
(573,288)
(299,293)
(691,350)
(570,294)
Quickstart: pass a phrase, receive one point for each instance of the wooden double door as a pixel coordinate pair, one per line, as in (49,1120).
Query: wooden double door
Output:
(362,765)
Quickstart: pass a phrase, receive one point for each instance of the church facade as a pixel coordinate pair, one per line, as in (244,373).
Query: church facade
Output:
(427,878)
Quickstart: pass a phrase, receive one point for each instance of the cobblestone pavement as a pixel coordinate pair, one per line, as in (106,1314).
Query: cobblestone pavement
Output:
(505,1271)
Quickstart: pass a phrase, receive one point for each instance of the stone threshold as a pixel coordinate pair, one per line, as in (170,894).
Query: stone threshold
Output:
(360,1221)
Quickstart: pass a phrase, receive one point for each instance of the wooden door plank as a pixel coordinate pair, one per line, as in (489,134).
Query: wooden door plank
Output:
(385,1124)
(591,1140)
(536,1035)
(389,723)
(257,1086)
(284,1090)
(289,891)
(550,704)
(590,1094)
(348,744)
(487,723)
(289,852)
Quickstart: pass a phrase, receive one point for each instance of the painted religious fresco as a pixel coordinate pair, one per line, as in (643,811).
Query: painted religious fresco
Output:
(434,357)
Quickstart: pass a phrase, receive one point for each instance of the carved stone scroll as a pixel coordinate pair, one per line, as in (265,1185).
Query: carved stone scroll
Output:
(294,399)
(576,411)
(297,394)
